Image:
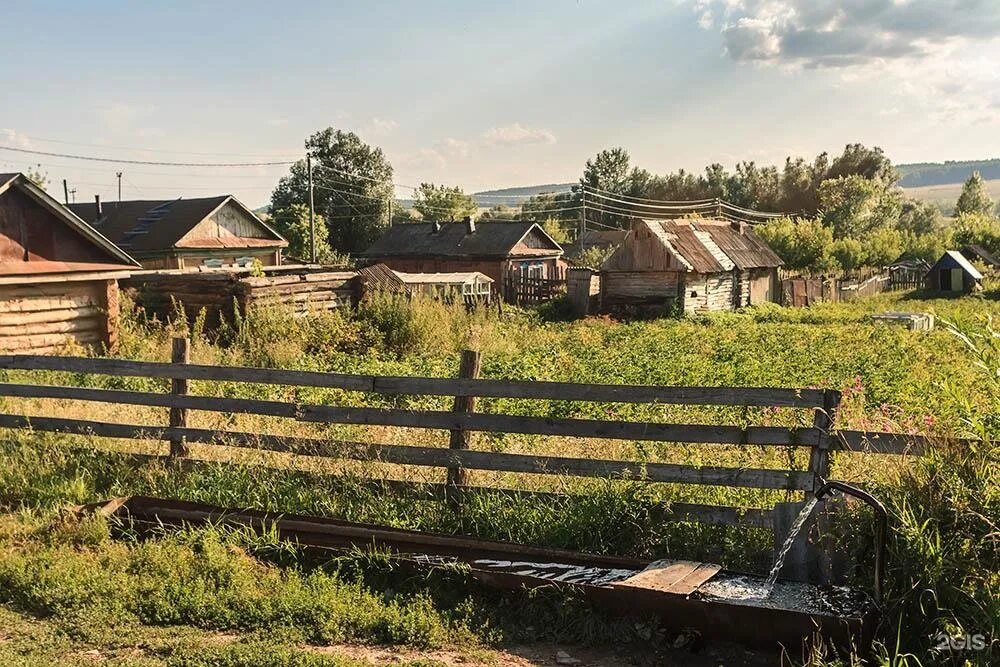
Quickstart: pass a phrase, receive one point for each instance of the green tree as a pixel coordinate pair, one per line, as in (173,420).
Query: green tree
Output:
(293,224)
(854,206)
(501,212)
(439,202)
(37,176)
(978,228)
(870,164)
(974,198)
(609,170)
(919,217)
(802,244)
(353,188)
(849,253)
(883,246)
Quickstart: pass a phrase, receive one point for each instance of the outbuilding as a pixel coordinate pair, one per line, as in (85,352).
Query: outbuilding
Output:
(58,275)
(212,232)
(689,265)
(506,252)
(953,274)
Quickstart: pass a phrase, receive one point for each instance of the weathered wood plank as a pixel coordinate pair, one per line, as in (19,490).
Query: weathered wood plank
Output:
(749,396)
(581,428)
(437,456)
(173,401)
(883,443)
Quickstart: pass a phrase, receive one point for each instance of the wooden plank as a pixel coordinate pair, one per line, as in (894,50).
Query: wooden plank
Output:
(83,323)
(668,576)
(569,391)
(886,443)
(581,428)
(173,401)
(441,457)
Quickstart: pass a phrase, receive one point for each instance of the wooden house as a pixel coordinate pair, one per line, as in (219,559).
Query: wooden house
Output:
(186,233)
(694,265)
(58,276)
(953,274)
(500,250)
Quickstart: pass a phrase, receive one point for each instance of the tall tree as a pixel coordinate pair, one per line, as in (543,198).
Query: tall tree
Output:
(854,206)
(353,188)
(439,202)
(293,223)
(974,198)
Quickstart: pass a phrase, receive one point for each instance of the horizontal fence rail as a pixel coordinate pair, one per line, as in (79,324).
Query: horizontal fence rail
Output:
(458,459)
(486,388)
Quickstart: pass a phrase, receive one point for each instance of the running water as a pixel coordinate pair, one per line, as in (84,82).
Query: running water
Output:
(793,532)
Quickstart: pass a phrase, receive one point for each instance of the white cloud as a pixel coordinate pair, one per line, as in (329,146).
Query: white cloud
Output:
(517,134)
(424,159)
(380,127)
(122,116)
(14,138)
(455,147)
(942,52)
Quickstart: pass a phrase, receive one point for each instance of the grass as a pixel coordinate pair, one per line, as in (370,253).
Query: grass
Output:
(945,510)
(945,196)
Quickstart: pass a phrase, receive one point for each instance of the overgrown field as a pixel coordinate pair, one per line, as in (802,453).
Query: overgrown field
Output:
(945,507)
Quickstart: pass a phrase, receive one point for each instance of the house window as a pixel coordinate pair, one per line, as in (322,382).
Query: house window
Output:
(244,261)
(212,263)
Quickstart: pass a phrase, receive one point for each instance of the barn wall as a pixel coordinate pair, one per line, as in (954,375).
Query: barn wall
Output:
(709,292)
(30,232)
(621,288)
(43,317)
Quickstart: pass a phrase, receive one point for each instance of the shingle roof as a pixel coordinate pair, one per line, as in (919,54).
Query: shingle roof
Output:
(151,225)
(490,239)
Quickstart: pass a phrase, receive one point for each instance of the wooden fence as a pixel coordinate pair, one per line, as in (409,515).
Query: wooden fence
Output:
(463,419)
(524,290)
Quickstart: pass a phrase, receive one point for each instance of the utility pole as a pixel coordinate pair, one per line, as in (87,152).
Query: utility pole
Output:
(66,192)
(583,215)
(72,193)
(312,213)
(390,209)
(119,175)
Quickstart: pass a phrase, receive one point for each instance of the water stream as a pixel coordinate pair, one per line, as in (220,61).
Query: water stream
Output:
(793,532)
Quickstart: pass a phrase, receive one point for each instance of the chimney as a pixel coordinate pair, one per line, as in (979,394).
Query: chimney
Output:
(436,226)
(738,226)
(470,226)
(98,212)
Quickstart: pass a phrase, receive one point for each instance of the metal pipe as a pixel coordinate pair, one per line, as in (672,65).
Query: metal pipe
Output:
(880,534)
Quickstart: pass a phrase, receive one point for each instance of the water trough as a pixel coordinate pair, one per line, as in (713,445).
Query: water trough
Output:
(686,595)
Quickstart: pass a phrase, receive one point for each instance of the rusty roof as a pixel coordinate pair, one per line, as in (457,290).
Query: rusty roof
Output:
(714,246)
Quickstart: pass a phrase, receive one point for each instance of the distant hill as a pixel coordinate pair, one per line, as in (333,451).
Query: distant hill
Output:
(514,196)
(921,174)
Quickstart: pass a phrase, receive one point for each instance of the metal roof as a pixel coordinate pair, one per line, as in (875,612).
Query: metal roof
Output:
(960,260)
(490,239)
(714,246)
(158,224)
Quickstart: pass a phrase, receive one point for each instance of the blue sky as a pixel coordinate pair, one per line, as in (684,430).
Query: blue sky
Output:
(488,95)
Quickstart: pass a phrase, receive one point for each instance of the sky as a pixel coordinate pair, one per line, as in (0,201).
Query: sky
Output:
(486,95)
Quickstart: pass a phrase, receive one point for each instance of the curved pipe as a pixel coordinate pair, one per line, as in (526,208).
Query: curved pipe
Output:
(880,535)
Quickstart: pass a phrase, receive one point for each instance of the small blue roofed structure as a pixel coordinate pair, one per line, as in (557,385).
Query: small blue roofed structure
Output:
(953,273)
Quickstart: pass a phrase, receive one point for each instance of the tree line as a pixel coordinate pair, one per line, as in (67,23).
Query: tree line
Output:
(843,211)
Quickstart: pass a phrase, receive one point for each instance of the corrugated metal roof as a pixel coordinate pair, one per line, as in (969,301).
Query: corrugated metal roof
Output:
(680,237)
(745,248)
(961,262)
(490,239)
(714,246)
(455,278)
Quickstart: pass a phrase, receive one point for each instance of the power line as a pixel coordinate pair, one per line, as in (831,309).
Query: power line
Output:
(150,150)
(149,162)
(671,207)
(592,189)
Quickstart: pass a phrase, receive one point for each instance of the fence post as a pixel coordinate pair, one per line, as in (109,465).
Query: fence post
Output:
(819,456)
(469,369)
(180,354)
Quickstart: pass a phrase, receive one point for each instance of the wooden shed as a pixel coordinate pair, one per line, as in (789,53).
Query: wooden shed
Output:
(214,232)
(953,274)
(694,265)
(500,250)
(58,276)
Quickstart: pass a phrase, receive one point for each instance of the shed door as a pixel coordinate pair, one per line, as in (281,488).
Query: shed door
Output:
(957,283)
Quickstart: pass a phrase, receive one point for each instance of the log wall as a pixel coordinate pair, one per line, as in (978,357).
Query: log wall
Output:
(44,317)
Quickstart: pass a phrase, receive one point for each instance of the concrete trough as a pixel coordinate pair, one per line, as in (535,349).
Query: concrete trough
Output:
(685,595)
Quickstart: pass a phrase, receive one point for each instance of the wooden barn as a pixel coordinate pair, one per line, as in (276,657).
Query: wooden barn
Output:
(58,276)
(213,232)
(953,274)
(694,265)
(500,250)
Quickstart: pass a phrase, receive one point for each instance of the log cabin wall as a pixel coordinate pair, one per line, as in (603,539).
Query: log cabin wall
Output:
(45,317)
